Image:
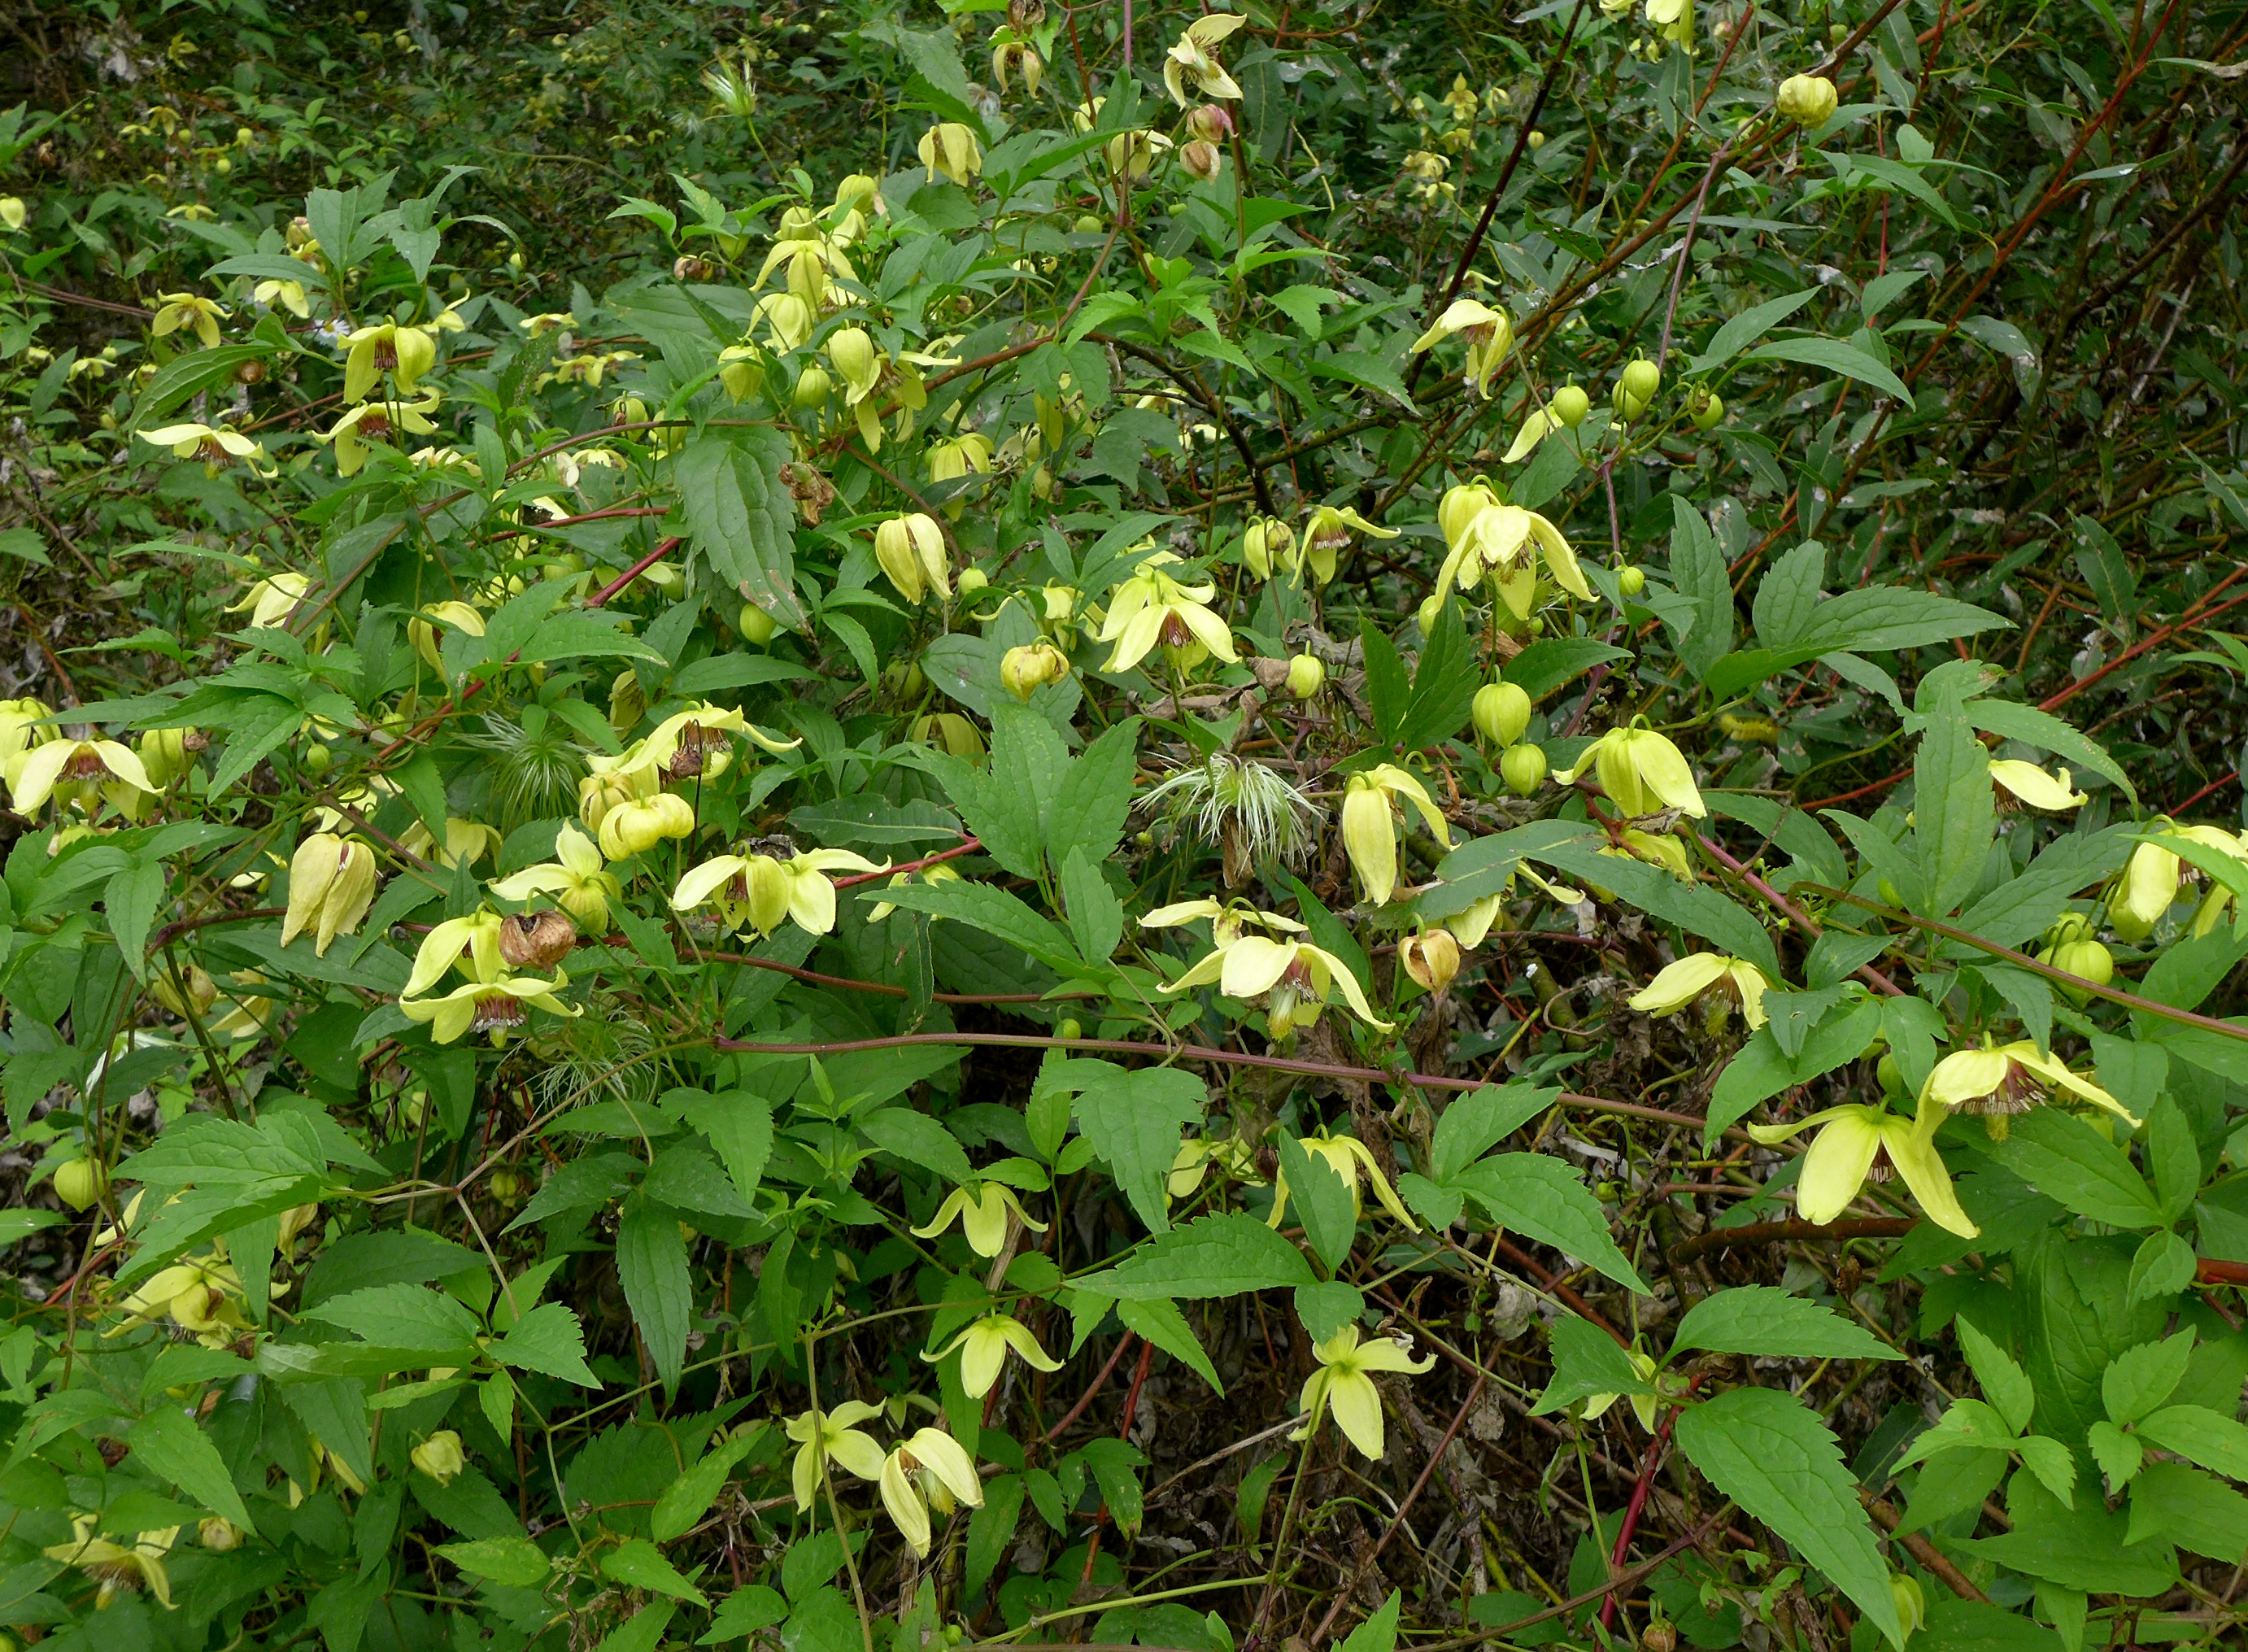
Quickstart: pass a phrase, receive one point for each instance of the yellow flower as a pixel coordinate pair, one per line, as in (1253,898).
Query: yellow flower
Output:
(1370,805)
(1490,336)
(440,1456)
(119,1570)
(1496,541)
(576,878)
(1680,984)
(1432,958)
(493,1005)
(691,743)
(1024,670)
(168,753)
(457,616)
(1994,1082)
(214,444)
(638,825)
(271,601)
(759,890)
(199,316)
(75,772)
(1266,541)
(1642,773)
(983,1212)
(788,319)
(469,841)
(833,1436)
(289,294)
(982,1348)
(1858,1144)
(1344,1384)
(1326,533)
(373,422)
(1656,849)
(331,881)
(910,547)
(1353,1161)
(951,149)
(1807,100)
(471,944)
(2034,786)
(1188,59)
(2152,876)
(1297,974)
(11,212)
(404,353)
(24,724)
(1152,607)
(931,1467)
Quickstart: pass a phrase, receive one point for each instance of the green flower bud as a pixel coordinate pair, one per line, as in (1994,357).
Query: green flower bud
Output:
(1502,712)
(1306,676)
(1635,388)
(1807,100)
(1631,579)
(1570,404)
(971,580)
(755,625)
(81,1183)
(1705,409)
(1523,768)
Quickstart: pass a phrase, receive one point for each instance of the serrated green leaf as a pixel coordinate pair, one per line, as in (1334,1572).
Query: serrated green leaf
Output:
(1763,1320)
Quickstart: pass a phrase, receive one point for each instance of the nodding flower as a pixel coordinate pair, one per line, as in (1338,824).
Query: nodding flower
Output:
(930,1469)
(216,445)
(2033,785)
(1189,59)
(1999,1081)
(1344,1385)
(1370,808)
(1679,984)
(983,1349)
(951,149)
(1490,335)
(331,883)
(1641,772)
(1857,1144)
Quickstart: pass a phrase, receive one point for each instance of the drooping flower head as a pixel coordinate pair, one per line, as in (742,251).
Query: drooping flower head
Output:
(1153,607)
(1999,1081)
(1858,1144)
(1189,60)
(1490,335)
(930,1469)
(1344,1385)
(1679,984)
(1372,811)
(1641,772)
(983,1349)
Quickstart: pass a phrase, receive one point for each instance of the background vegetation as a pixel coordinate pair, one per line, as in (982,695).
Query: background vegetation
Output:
(664,985)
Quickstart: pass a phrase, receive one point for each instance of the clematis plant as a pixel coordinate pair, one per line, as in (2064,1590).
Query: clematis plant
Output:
(1857,1144)
(832,1436)
(1344,1385)
(982,1348)
(1642,773)
(1371,812)
(930,1469)
(1731,980)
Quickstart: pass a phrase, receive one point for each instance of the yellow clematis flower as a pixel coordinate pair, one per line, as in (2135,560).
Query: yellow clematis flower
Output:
(982,1348)
(2151,877)
(216,445)
(983,1211)
(575,877)
(1152,607)
(356,432)
(1496,541)
(1344,1385)
(1997,1082)
(470,943)
(1680,984)
(692,742)
(405,354)
(951,149)
(1327,533)
(289,295)
(833,1436)
(1490,336)
(494,1004)
(76,772)
(1298,975)
(758,890)
(1641,772)
(639,823)
(119,1569)
(331,883)
(24,724)
(1858,1144)
(1189,59)
(2034,786)
(457,616)
(910,547)
(469,841)
(1371,809)
(931,1467)
(1353,1161)
(440,1456)
(178,309)
(271,601)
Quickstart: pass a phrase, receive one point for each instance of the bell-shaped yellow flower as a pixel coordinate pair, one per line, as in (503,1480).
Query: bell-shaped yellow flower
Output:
(1999,1080)
(120,1570)
(930,1468)
(1344,1385)
(457,616)
(833,1436)
(787,318)
(2152,876)
(1327,534)
(440,1456)
(1353,1161)
(214,444)
(178,309)
(1497,542)
(24,724)
(469,841)
(1152,607)
(581,886)
(75,772)
(1189,59)
(983,1211)
(1490,335)
(950,148)
(1371,811)
(982,1348)
(405,354)
(495,1006)
(635,827)
(1679,984)
(1857,1144)
(1298,975)
(1642,773)
(331,883)
(371,422)
(2034,786)
(271,601)
(910,547)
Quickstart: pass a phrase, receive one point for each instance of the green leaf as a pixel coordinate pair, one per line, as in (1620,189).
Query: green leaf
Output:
(1542,1198)
(1744,329)
(1788,594)
(130,900)
(1220,1255)
(1696,908)
(1763,1320)
(167,1443)
(652,1267)
(1953,813)
(1774,1457)
(1319,1201)
(2012,720)
(1444,684)
(1836,356)
(983,906)
(1549,662)
(516,1563)
(991,1531)
(1697,572)
(2182,1506)
(403,1316)
(2068,1161)
(919,1141)
(549,1341)
(256,724)
(2140,1379)
(1132,1118)
(2200,1436)
(1586,1361)
(1472,1124)
(1096,917)
(639,1564)
(642,1631)
(686,1499)
(743,1613)
(1378,1633)
(1160,1320)
(2049,1461)
(2005,1384)
(740,517)
(1090,803)
(1388,689)
(1325,1309)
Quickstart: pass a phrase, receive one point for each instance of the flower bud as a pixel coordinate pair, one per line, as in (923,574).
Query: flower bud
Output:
(200,991)
(1705,408)
(1537,139)
(2087,957)
(1201,159)
(1211,123)
(1502,712)
(971,580)
(81,1183)
(911,551)
(1023,671)
(1659,1637)
(851,349)
(537,940)
(167,754)
(812,385)
(755,625)
(1523,768)
(1807,100)
(1570,404)
(1431,958)
(638,825)
(950,731)
(1306,676)
(1635,388)
(1267,541)
(688,267)
(440,1456)
(1631,579)
(11,212)
(627,701)
(219,1534)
